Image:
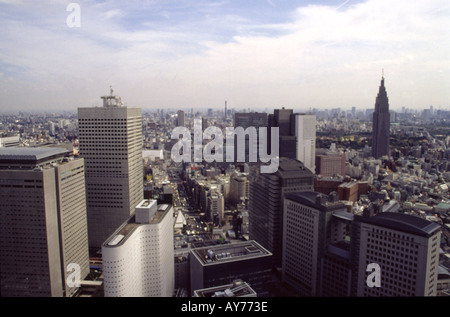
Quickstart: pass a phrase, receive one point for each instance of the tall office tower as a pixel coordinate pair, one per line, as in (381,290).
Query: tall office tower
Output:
(138,258)
(222,264)
(180,118)
(284,120)
(306,236)
(305,131)
(267,193)
(406,249)
(110,140)
(381,124)
(246,120)
(43,227)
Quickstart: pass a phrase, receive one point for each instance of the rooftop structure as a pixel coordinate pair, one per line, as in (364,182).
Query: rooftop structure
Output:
(238,288)
(229,253)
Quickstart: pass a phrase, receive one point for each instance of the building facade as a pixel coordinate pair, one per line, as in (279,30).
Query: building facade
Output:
(43,222)
(222,264)
(305,132)
(138,258)
(110,141)
(381,124)
(406,249)
(267,193)
(306,236)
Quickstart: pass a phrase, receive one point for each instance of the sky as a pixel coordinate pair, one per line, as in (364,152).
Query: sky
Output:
(253,54)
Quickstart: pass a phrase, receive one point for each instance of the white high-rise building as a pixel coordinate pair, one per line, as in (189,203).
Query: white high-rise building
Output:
(110,140)
(138,258)
(305,132)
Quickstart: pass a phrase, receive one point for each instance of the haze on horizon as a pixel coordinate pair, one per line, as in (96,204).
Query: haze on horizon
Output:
(196,54)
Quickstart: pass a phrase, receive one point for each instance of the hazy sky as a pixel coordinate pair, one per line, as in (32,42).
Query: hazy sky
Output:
(198,53)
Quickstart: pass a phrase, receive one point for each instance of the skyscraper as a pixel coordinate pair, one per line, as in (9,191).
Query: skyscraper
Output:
(306,236)
(43,227)
(110,139)
(381,124)
(328,251)
(305,131)
(247,120)
(180,118)
(405,247)
(267,193)
(284,120)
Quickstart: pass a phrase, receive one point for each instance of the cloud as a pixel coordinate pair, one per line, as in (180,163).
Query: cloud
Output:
(201,55)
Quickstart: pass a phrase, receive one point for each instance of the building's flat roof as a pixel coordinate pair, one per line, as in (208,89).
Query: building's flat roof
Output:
(402,222)
(230,252)
(237,289)
(30,153)
(308,198)
(122,234)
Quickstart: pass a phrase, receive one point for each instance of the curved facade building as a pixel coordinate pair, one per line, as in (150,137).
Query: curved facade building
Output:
(138,257)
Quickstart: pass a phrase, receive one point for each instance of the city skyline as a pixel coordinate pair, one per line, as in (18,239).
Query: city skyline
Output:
(265,54)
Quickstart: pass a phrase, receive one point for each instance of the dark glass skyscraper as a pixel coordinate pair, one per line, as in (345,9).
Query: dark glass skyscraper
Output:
(381,124)
(267,191)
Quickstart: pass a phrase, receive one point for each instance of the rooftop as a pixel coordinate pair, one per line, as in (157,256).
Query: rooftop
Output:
(230,252)
(402,222)
(239,288)
(315,200)
(31,153)
(121,234)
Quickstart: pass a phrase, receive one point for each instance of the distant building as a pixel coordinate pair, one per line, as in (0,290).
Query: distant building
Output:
(138,258)
(381,124)
(283,119)
(349,191)
(216,206)
(239,188)
(222,264)
(180,118)
(330,163)
(247,120)
(10,141)
(43,227)
(305,132)
(110,141)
